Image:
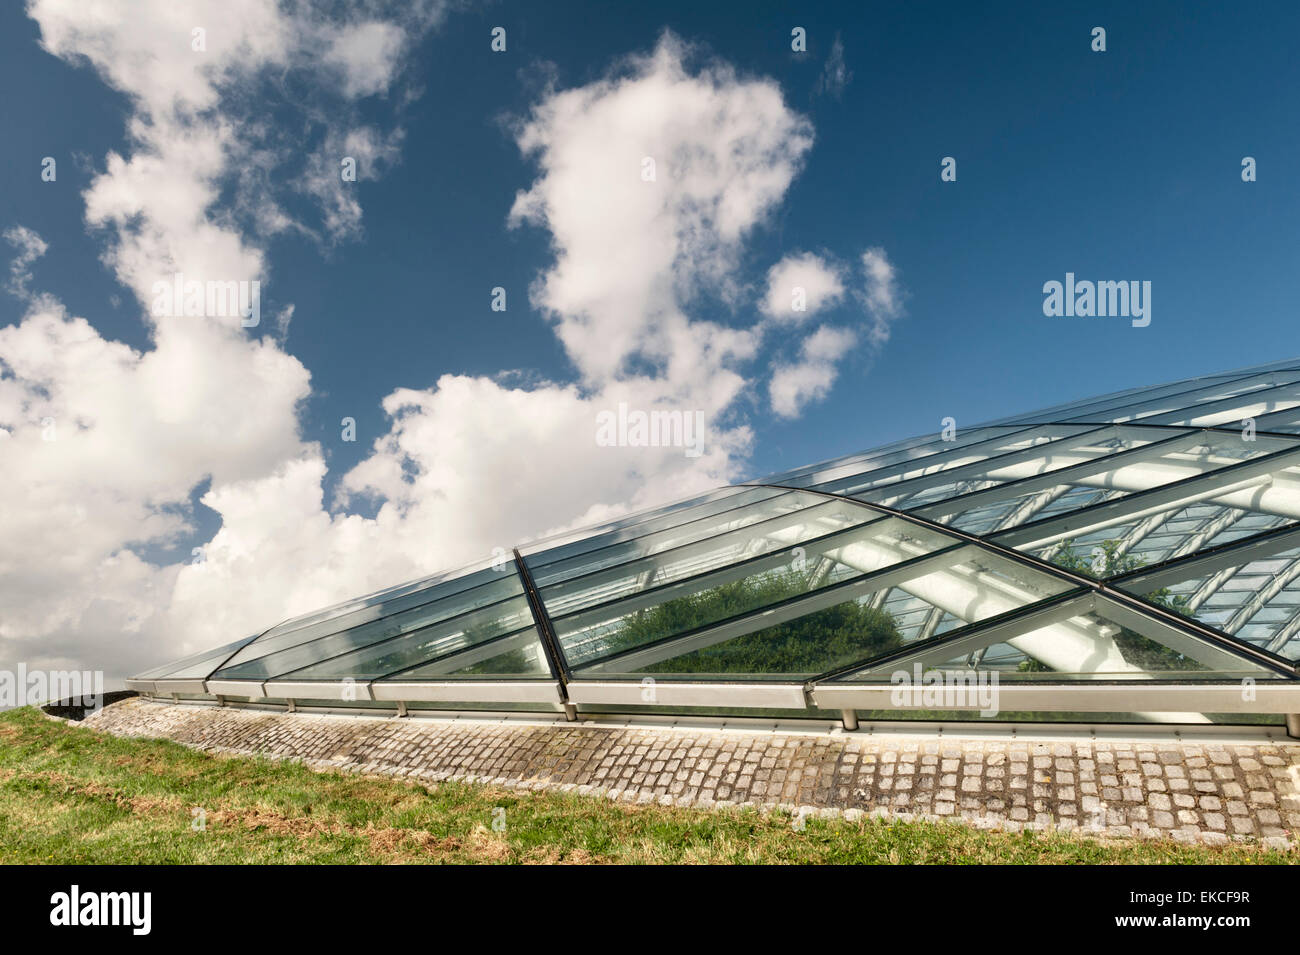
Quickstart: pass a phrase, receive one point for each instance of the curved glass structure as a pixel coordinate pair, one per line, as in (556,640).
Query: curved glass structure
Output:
(1136,555)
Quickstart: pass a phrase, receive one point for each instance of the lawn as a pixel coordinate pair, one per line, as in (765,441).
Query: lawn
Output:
(70,795)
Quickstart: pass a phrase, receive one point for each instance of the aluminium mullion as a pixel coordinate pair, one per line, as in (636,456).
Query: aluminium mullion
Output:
(545,628)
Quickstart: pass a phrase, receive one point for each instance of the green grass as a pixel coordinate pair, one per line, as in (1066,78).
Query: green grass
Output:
(70,795)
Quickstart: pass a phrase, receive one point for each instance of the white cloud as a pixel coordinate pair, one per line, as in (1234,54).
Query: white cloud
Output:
(105,445)
(630,253)
(810,378)
(371,150)
(882,294)
(470,464)
(30,247)
(801,279)
(367,53)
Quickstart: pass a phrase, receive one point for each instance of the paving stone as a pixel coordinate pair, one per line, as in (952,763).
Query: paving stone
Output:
(1190,792)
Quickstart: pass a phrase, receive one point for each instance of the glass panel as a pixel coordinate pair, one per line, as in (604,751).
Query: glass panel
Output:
(1107,407)
(812,626)
(911,450)
(1230,473)
(779,524)
(1276,393)
(447,582)
(543,553)
(195,665)
(512,657)
(957,457)
(1111,643)
(524,659)
(700,529)
(354,652)
(664,612)
(1256,600)
(1167,535)
(393,616)
(1079,459)
(1147,404)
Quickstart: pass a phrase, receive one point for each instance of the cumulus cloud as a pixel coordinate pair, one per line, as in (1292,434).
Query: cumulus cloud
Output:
(105,445)
(108,446)
(650,181)
(800,286)
(810,378)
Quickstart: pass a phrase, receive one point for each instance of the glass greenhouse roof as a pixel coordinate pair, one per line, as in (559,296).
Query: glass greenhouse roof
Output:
(1145,539)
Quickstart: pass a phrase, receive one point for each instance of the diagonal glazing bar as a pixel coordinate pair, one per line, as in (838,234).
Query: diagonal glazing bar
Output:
(555,658)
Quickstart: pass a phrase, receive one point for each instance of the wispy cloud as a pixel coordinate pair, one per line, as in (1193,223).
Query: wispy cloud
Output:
(30,247)
(835,75)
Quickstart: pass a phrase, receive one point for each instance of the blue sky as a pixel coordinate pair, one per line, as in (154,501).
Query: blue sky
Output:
(1117,165)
